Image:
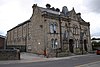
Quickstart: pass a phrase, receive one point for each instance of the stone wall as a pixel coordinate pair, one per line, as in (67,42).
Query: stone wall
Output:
(9,54)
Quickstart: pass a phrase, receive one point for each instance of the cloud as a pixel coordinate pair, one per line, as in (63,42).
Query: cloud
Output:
(94,20)
(13,12)
(1,32)
(97,34)
(93,5)
(3,2)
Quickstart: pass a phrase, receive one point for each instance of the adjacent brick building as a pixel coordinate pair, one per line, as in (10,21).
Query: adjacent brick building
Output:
(50,31)
(2,42)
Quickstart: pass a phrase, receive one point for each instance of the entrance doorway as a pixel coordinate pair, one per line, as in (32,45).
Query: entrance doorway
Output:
(85,46)
(71,42)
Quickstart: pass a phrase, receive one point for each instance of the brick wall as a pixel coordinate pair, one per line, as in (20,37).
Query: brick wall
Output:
(2,40)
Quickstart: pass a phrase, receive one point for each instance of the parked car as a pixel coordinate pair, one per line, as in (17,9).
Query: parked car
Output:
(98,51)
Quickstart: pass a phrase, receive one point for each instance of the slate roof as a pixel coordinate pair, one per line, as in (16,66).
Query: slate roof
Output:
(49,10)
(56,13)
(19,25)
(2,36)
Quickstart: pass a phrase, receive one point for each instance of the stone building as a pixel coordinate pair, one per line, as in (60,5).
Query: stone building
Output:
(52,32)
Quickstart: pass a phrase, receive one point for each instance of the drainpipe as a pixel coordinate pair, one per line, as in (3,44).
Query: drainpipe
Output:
(45,43)
(60,33)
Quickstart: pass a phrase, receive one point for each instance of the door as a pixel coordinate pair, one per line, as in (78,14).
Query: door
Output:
(85,46)
(71,42)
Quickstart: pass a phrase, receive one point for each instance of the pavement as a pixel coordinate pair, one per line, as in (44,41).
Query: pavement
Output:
(29,57)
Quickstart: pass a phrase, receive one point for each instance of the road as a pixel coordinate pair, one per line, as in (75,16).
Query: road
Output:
(81,61)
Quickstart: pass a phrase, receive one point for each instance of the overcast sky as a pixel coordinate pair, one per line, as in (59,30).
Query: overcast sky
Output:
(14,12)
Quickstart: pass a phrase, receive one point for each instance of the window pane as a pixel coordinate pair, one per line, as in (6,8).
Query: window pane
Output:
(51,28)
(55,26)
(52,43)
(56,43)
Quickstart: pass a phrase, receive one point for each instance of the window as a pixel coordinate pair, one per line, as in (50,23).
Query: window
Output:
(54,43)
(77,43)
(65,35)
(75,29)
(53,28)
(85,31)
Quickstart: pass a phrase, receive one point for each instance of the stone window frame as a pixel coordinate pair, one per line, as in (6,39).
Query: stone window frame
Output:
(53,27)
(54,43)
(85,31)
(75,29)
(65,35)
(77,43)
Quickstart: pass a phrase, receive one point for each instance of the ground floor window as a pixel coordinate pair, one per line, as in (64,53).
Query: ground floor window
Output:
(77,43)
(54,43)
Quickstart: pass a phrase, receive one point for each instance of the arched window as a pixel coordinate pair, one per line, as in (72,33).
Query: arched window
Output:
(65,35)
(53,28)
(77,43)
(85,31)
(54,43)
(75,29)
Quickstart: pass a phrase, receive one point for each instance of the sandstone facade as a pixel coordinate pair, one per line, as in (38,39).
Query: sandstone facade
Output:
(50,32)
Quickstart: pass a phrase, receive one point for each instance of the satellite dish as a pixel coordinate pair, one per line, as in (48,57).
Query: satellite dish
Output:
(64,10)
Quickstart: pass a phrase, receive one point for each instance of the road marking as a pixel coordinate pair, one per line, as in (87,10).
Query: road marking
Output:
(84,65)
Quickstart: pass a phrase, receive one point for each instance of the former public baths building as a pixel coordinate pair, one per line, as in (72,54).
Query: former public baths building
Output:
(52,32)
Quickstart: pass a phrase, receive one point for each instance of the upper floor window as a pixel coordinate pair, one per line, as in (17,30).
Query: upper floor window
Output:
(75,29)
(65,35)
(86,31)
(53,28)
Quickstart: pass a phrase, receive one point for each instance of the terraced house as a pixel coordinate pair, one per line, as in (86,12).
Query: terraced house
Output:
(52,32)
